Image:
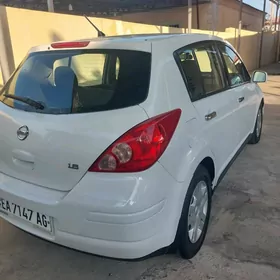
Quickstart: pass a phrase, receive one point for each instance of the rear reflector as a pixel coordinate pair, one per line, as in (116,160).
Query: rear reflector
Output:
(69,45)
(140,147)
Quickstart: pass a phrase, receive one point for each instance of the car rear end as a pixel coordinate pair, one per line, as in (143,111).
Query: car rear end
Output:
(79,156)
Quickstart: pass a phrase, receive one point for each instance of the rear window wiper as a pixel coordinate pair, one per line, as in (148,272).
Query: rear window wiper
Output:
(26,100)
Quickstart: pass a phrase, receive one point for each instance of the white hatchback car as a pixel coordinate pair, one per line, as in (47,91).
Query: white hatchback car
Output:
(113,146)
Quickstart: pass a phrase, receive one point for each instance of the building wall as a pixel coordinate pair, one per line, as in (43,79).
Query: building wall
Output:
(229,16)
(226,15)
(269,50)
(171,16)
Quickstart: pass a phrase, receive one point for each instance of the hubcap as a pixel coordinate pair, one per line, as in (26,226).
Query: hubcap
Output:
(259,123)
(197,211)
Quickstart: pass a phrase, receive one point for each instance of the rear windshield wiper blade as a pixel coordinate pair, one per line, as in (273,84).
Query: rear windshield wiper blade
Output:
(26,100)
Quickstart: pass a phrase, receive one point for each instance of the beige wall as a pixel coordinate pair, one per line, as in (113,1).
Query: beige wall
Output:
(162,17)
(227,15)
(29,28)
(26,28)
(269,48)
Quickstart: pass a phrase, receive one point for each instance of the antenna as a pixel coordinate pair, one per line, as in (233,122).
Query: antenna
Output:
(99,32)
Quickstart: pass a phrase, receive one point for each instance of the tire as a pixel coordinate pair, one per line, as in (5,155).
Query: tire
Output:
(187,243)
(256,136)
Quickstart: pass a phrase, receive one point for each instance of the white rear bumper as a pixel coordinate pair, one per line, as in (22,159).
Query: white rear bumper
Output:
(115,215)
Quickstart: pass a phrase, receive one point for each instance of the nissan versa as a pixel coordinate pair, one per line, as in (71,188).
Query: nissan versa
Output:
(114,145)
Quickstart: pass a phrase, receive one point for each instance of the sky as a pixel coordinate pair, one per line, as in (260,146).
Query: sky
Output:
(259,4)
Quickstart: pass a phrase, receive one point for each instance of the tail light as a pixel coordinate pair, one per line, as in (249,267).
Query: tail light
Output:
(140,147)
(65,45)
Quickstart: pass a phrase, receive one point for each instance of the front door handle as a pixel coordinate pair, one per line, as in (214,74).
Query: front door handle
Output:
(241,99)
(210,116)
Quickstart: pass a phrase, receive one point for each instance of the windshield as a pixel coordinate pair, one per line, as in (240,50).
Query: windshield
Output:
(79,81)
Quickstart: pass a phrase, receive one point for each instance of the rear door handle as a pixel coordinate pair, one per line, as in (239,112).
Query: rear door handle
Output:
(241,99)
(210,116)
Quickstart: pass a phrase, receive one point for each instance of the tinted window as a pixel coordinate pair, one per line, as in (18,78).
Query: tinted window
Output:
(192,73)
(201,68)
(80,81)
(236,70)
(210,69)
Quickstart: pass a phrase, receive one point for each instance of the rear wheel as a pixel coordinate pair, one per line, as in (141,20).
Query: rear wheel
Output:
(256,136)
(195,215)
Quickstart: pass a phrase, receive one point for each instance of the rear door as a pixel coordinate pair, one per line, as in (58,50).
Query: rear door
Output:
(62,109)
(216,107)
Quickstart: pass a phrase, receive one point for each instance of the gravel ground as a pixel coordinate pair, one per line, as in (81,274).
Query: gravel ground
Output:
(243,240)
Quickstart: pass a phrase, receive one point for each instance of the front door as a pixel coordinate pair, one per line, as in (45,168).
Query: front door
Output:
(241,87)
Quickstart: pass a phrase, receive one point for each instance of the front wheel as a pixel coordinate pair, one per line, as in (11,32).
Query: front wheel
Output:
(195,215)
(256,136)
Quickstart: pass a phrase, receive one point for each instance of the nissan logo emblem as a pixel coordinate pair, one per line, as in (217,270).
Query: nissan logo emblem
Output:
(23,133)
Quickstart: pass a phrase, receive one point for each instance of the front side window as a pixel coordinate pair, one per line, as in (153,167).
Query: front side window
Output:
(202,70)
(236,70)
(79,81)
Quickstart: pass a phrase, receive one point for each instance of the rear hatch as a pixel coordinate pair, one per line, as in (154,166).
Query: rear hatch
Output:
(61,109)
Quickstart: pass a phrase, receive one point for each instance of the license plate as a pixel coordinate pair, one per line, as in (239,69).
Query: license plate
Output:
(37,219)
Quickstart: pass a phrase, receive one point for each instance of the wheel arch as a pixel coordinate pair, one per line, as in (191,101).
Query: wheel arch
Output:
(209,164)
(200,155)
(206,159)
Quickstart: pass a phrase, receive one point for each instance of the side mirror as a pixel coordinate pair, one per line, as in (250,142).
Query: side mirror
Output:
(259,77)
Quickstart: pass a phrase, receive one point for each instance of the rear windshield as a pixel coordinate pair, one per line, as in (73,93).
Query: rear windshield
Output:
(79,81)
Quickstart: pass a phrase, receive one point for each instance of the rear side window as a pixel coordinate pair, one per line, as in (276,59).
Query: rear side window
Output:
(78,81)
(201,68)
(236,69)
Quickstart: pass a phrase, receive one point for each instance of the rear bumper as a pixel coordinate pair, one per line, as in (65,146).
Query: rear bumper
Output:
(113,215)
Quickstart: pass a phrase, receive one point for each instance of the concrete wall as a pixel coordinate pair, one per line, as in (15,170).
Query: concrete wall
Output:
(269,48)
(229,15)
(164,17)
(226,15)
(26,28)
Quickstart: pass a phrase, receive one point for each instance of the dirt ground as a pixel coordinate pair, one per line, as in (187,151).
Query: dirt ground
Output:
(243,240)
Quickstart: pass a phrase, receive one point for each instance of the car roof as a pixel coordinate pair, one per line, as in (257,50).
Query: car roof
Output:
(157,37)
(142,42)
